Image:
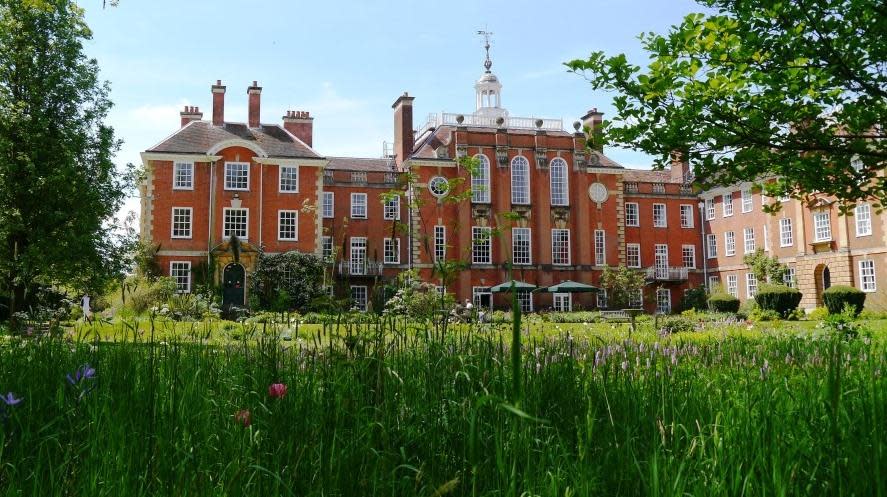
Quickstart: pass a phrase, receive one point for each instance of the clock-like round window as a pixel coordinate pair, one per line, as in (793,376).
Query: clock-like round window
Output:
(598,192)
(439,186)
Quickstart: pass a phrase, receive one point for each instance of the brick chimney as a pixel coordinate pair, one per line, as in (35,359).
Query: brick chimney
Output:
(593,120)
(190,114)
(218,103)
(300,124)
(680,167)
(403,127)
(255,96)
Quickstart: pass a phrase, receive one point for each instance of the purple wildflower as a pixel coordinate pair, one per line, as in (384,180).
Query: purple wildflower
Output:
(85,372)
(10,400)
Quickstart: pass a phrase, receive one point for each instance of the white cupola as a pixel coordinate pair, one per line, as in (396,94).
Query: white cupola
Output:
(488,89)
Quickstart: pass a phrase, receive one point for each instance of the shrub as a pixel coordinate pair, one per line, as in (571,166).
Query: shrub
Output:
(677,324)
(781,299)
(723,302)
(747,308)
(758,314)
(571,317)
(818,314)
(695,299)
(837,296)
(286,281)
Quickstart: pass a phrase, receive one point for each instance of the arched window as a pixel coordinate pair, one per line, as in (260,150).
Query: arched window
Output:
(520,180)
(559,187)
(480,182)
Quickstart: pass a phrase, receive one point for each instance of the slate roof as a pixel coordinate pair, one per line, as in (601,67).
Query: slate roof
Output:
(360,164)
(198,137)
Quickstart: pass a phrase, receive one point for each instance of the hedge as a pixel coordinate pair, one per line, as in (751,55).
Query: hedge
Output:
(779,298)
(723,302)
(837,296)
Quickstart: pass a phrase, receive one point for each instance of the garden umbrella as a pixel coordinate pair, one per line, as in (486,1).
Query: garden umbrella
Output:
(569,287)
(519,286)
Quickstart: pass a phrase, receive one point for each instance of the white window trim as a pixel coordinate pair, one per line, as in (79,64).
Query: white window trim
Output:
(732,285)
(175,167)
(689,208)
(627,259)
(637,214)
(366,206)
(828,218)
(667,292)
(749,277)
(856,221)
(709,253)
(566,170)
(569,248)
(526,179)
(751,200)
(284,211)
(487,232)
(724,204)
(568,297)
(664,216)
(602,260)
(791,233)
(396,242)
(227,236)
(172,224)
(710,209)
(188,288)
(529,246)
(225,176)
(693,250)
(862,287)
(483,194)
(366,296)
(440,251)
(396,215)
(727,251)
(332,197)
(280,179)
(746,239)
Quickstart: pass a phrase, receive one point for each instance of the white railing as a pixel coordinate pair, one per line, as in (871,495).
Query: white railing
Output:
(449,118)
(667,273)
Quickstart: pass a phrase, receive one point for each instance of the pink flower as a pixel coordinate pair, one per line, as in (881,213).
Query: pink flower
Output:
(277,390)
(243,418)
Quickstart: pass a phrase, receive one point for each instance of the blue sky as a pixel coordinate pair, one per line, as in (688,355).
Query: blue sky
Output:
(346,62)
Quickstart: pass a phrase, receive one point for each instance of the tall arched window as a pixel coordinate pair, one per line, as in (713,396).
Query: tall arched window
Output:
(520,180)
(480,182)
(559,187)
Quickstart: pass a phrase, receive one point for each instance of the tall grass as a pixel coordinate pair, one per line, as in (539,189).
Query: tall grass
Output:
(382,410)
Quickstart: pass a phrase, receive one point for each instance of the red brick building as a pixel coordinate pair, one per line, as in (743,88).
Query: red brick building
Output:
(542,202)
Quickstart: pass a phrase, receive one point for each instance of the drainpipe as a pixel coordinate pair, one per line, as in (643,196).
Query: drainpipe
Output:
(704,248)
(211,216)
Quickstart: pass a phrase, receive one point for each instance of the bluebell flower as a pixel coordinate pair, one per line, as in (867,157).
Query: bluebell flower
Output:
(10,400)
(85,372)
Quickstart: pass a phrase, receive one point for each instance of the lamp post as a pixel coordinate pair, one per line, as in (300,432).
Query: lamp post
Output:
(704,248)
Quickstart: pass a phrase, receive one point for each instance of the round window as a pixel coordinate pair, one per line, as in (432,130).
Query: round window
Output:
(439,186)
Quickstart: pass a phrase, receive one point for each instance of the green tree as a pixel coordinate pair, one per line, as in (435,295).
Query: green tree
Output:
(287,281)
(621,283)
(765,268)
(59,188)
(758,89)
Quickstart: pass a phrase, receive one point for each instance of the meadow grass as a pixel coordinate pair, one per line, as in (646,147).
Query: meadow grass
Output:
(392,409)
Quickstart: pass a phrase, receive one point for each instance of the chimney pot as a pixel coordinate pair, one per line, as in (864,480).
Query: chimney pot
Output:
(300,125)
(190,113)
(255,96)
(218,91)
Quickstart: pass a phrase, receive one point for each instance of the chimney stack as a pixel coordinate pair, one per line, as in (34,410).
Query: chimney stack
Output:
(190,114)
(680,167)
(255,95)
(300,124)
(218,103)
(403,127)
(593,120)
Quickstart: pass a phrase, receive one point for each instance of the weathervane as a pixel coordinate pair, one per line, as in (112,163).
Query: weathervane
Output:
(486,34)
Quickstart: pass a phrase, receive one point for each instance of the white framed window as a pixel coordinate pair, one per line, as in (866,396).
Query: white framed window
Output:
(560,247)
(520,180)
(287,225)
(481,297)
(822,226)
(863,215)
(663,301)
(659,220)
(289,179)
(786,237)
(525,301)
(688,255)
(237,176)
(392,250)
(733,285)
(358,205)
(559,185)
(789,277)
(633,255)
(183,176)
(180,272)
(632,218)
(660,259)
(766,238)
(631,187)
(521,246)
(867,282)
(729,243)
(602,299)
(686,216)
(181,222)
(480,181)
(709,209)
(711,245)
(438,186)
(636,299)
(727,204)
(391,209)
(359,297)
(563,302)
(748,239)
(713,281)
(746,200)
(359,177)
(600,248)
(326,247)
(440,243)
(481,245)
(658,187)
(235,223)
(358,255)
(329,199)
(751,285)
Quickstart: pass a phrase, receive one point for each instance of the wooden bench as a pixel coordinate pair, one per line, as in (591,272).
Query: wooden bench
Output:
(615,316)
